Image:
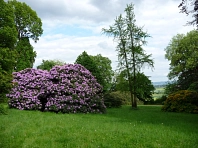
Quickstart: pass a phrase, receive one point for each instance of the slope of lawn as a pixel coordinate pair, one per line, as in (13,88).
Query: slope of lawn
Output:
(146,127)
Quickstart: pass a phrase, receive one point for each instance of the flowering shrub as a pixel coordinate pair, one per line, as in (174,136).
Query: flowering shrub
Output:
(69,89)
(182,101)
(29,87)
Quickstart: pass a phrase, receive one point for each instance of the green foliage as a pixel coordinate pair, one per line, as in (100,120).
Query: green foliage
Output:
(144,90)
(183,56)
(7,61)
(16,19)
(194,86)
(5,84)
(121,81)
(187,77)
(8,33)
(112,100)
(3,110)
(125,97)
(171,87)
(182,53)
(8,36)
(158,101)
(25,54)
(48,64)
(85,60)
(27,23)
(131,56)
(106,72)
(182,101)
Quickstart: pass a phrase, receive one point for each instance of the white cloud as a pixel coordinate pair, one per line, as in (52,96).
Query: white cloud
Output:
(161,19)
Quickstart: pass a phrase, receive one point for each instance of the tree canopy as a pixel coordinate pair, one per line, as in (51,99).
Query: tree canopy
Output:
(8,33)
(85,60)
(25,54)
(48,64)
(18,23)
(182,52)
(104,66)
(27,23)
(145,87)
(8,36)
(28,26)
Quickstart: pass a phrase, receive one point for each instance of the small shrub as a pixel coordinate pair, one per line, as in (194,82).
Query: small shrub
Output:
(182,101)
(112,100)
(194,86)
(3,110)
(3,98)
(160,101)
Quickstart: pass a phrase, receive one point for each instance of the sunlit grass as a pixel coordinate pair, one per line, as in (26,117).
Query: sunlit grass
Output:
(123,127)
(158,93)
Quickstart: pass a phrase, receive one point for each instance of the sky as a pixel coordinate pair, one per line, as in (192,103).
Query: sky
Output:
(73,26)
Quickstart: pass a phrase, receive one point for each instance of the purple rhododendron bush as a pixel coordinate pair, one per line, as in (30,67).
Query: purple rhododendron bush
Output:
(29,87)
(69,88)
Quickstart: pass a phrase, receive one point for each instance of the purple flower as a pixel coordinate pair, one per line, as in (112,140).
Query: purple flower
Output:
(68,88)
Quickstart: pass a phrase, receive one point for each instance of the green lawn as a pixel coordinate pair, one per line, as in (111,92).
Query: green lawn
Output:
(146,127)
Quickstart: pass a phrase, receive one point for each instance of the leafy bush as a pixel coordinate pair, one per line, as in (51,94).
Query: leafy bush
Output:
(182,101)
(5,83)
(124,96)
(194,86)
(112,100)
(3,110)
(160,101)
(68,89)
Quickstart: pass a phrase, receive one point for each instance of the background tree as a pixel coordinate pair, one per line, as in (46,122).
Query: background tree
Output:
(8,37)
(27,23)
(48,64)
(131,56)
(184,8)
(145,88)
(7,26)
(106,72)
(85,60)
(25,54)
(182,52)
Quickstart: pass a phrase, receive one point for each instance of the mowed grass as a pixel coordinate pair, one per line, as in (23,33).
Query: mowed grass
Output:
(146,127)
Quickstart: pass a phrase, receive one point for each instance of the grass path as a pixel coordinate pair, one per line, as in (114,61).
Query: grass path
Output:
(146,127)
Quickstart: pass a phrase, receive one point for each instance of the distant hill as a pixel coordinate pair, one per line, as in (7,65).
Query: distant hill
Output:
(161,83)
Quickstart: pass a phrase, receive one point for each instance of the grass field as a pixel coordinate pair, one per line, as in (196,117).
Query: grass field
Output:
(146,127)
(159,91)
